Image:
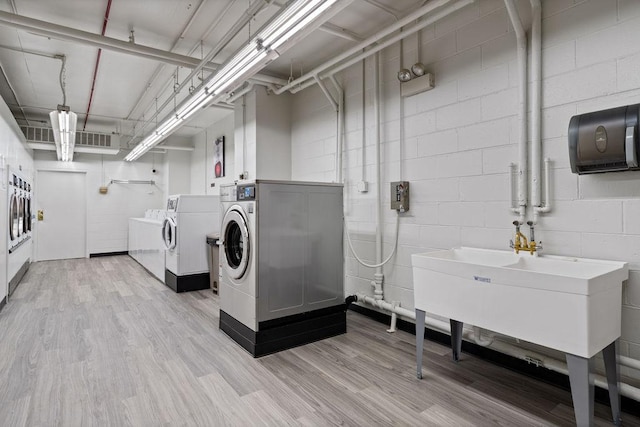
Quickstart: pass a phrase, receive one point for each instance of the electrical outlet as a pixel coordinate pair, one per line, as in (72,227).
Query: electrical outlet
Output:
(400,196)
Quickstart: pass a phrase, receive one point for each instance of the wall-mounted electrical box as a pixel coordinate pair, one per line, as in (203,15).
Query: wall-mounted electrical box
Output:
(604,141)
(417,85)
(400,196)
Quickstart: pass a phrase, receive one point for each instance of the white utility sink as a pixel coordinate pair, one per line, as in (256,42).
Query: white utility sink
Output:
(569,304)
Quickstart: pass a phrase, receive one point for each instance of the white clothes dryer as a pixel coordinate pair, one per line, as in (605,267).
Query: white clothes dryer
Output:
(188,220)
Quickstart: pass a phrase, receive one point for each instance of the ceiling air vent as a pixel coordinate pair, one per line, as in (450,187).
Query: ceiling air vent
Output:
(40,138)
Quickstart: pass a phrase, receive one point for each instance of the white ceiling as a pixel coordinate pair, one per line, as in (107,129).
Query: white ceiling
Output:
(128,87)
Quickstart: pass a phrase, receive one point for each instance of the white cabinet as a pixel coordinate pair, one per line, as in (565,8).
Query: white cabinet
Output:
(146,245)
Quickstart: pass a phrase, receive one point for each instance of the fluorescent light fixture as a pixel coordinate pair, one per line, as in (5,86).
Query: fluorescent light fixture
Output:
(247,61)
(64,123)
(303,17)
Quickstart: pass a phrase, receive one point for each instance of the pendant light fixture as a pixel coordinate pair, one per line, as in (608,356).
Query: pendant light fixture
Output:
(63,122)
(263,48)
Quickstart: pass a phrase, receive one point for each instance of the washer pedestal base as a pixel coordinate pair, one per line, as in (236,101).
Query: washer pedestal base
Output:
(286,332)
(191,282)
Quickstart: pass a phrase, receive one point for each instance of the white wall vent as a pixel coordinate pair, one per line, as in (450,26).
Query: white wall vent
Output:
(41,138)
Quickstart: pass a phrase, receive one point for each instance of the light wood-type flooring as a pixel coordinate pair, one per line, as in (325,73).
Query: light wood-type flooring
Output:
(100,342)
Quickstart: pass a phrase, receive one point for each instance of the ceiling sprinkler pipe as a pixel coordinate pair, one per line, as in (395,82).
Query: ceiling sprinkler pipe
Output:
(429,7)
(332,67)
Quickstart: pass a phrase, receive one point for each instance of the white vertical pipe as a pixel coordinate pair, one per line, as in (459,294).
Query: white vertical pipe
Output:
(536,74)
(521,40)
(364,125)
(378,276)
(340,136)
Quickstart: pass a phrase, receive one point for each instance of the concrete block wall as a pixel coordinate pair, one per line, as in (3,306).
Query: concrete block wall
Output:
(203,180)
(460,138)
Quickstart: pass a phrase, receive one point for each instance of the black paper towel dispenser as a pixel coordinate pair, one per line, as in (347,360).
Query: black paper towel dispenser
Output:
(604,141)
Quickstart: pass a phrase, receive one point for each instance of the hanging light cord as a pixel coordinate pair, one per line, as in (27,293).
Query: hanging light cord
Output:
(62,78)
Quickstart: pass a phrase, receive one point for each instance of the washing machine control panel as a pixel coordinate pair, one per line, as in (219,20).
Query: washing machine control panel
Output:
(246,192)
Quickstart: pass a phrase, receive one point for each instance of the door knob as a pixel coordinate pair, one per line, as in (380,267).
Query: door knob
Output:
(40,215)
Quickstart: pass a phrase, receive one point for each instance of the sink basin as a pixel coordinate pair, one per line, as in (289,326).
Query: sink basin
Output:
(569,304)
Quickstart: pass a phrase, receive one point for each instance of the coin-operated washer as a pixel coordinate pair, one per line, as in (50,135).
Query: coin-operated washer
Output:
(188,220)
(281,275)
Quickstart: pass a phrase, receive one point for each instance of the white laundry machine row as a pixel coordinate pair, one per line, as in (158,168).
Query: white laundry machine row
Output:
(281,264)
(20,224)
(189,219)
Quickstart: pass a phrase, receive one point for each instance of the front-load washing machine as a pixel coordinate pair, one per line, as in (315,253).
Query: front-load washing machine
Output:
(189,218)
(19,232)
(281,258)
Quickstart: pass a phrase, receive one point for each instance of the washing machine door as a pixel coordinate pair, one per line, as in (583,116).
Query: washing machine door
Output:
(13,217)
(235,240)
(27,213)
(20,216)
(169,233)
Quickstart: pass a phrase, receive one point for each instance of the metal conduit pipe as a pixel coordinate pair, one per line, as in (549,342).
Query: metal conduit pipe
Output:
(378,275)
(160,67)
(242,92)
(432,5)
(97,66)
(296,86)
(521,40)
(340,130)
(56,31)
(61,32)
(235,29)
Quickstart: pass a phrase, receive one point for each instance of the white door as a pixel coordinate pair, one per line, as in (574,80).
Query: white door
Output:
(62,232)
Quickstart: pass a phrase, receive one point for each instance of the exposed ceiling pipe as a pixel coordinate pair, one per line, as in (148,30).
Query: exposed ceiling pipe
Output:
(175,148)
(242,92)
(15,96)
(160,67)
(95,69)
(334,30)
(377,46)
(391,11)
(61,32)
(429,7)
(246,17)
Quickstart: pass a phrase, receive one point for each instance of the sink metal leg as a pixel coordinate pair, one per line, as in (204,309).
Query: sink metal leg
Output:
(456,338)
(611,367)
(419,341)
(581,381)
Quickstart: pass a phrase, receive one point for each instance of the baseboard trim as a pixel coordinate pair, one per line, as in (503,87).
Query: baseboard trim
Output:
(3,303)
(99,254)
(557,379)
(13,283)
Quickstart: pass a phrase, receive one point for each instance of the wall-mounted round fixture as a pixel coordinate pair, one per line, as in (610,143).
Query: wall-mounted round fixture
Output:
(404,75)
(418,69)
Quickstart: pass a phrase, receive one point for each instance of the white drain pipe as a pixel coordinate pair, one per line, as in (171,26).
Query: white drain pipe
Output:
(521,40)
(379,275)
(539,207)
